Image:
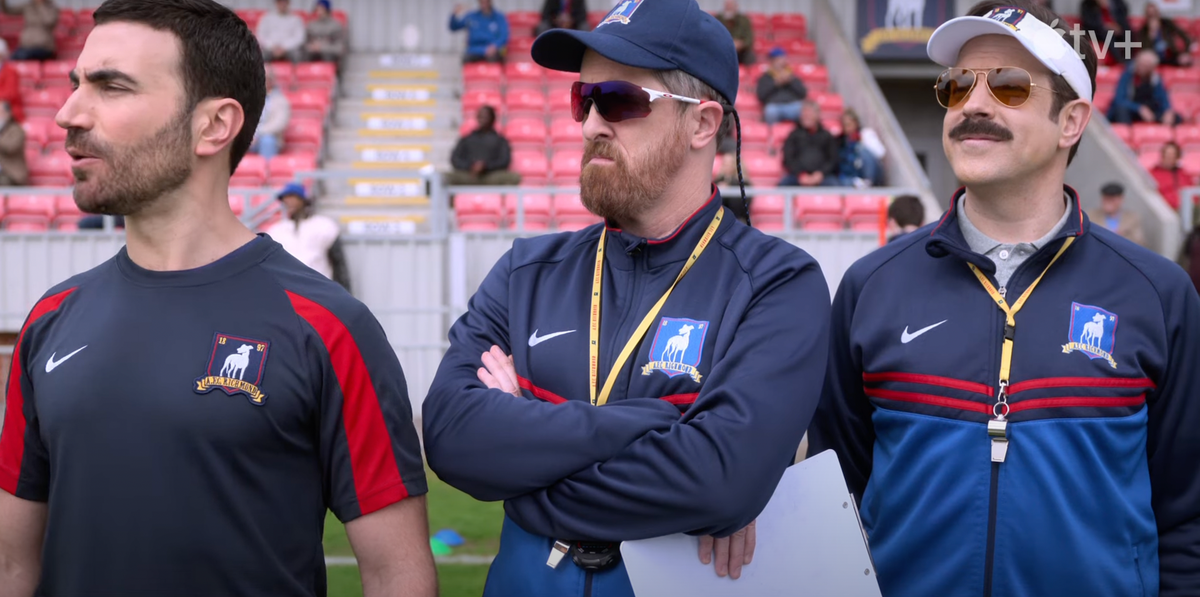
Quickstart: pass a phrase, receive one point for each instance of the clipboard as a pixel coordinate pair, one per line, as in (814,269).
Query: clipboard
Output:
(810,541)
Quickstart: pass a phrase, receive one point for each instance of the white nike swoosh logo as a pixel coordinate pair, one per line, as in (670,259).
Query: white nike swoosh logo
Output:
(906,337)
(534,340)
(52,364)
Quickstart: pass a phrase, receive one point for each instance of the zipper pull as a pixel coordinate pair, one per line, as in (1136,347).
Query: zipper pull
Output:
(1003,292)
(557,553)
(998,427)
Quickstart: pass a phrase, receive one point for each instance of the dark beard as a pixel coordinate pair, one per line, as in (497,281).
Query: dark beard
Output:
(622,192)
(135,176)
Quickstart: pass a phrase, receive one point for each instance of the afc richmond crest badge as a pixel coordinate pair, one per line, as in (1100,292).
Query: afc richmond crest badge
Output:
(677,346)
(235,365)
(1093,332)
(622,13)
(1009,15)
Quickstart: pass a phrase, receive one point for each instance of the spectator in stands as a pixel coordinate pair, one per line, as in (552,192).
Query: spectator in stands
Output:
(780,90)
(1168,175)
(810,153)
(740,28)
(1113,216)
(37,35)
(10,84)
(1141,95)
(1165,37)
(487,32)
(312,238)
(277,112)
(860,152)
(13,170)
(1107,20)
(905,215)
(563,14)
(281,33)
(326,36)
(483,156)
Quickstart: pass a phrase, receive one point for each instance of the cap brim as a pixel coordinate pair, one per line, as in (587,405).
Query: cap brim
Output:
(563,49)
(947,41)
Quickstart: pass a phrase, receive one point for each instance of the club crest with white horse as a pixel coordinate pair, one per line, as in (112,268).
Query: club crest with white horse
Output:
(235,365)
(1093,332)
(677,348)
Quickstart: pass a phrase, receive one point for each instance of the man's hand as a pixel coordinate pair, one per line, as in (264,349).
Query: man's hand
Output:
(477,167)
(1169,118)
(1146,113)
(491,51)
(498,372)
(739,44)
(731,553)
(459,10)
(563,20)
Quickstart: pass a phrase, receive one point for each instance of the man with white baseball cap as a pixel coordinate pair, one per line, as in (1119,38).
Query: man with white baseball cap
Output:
(1025,425)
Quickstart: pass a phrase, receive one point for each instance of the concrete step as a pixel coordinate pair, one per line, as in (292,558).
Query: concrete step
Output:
(389,124)
(368,61)
(377,154)
(421,94)
(350,108)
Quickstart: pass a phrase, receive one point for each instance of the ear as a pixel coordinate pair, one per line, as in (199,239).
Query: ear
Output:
(217,123)
(708,122)
(1072,122)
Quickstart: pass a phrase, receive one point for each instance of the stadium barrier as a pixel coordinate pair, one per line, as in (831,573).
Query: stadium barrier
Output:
(416,284)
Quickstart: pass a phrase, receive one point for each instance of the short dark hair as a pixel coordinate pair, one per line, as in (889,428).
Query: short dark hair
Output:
(907,210)
(1063,92)
(1112,189)
(220,56)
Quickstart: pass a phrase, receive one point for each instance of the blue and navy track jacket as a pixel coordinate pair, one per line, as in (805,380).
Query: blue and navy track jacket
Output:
(696,449)
(1099,494)
(189,429)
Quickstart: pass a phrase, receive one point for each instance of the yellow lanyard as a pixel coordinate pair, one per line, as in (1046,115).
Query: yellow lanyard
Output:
(594,344)
(1011,312)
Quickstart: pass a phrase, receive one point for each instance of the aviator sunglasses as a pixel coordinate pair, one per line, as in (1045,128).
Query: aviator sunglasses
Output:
(1010,85)
(616,100)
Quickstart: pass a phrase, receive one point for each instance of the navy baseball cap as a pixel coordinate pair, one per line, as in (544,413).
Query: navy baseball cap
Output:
(650,34)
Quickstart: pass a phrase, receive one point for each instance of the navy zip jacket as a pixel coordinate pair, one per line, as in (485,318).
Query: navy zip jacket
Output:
(695,447)
(1099,493)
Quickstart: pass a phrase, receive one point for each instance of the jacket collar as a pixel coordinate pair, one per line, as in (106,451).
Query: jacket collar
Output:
(947,238)
(625,249)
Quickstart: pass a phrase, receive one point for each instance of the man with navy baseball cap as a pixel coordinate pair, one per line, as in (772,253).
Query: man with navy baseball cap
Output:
(647,376)
(1026,423)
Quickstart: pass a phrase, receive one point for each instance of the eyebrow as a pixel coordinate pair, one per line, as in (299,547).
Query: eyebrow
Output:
(104,75)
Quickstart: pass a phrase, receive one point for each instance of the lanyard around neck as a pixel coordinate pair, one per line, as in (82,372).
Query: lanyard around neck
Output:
(594,331)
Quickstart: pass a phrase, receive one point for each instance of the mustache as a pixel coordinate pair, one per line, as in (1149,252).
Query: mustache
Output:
(973,127)
(598,149)
(78,140)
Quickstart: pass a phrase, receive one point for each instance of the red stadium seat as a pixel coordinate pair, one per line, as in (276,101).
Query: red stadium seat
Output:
(65,205)
(560,79)
(283,168)
(748,106)
(780,132)
(518,50)
(251,172)
(342,17)
(765,170)
(815,77)
(566,133)
(766,211)
(831,104)
(31,205)
(51,170)
(238,204)
(482,71)
(526,133)
(1107,78)
(1149,158)
(760,22)
(67,223)
(536,207)
(570,214)
(1180,80)
(531,165)
(26,224)
(1151,134)
(30,72)
(1124,132)
(309,103)
(788,26)
(35,133)
(474,99)
(522,22)
(303,135)
(1188,137)
(558,101)
(833,125)
(45,102)
(756,135)
(251,16)
(284,73)
(524,74)
(1101,101)
(595,16)
(565,167)
(811,209)
(864,208)
(315,74)
(524,101)
(1185,103)
(56,137)
(1190,163)
(477,211)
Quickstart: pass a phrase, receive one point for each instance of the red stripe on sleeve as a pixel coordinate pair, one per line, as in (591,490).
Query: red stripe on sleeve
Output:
(377,478)
(12,438)
(539,393)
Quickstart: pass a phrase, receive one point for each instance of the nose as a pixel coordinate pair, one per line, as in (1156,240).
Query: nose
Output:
(74,114)
(979,103)
(594,126)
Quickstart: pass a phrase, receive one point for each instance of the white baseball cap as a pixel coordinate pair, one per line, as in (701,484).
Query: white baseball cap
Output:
(1046,44)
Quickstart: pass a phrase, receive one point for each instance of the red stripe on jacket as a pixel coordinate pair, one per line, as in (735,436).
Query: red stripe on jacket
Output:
(12,438)
(377,480)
